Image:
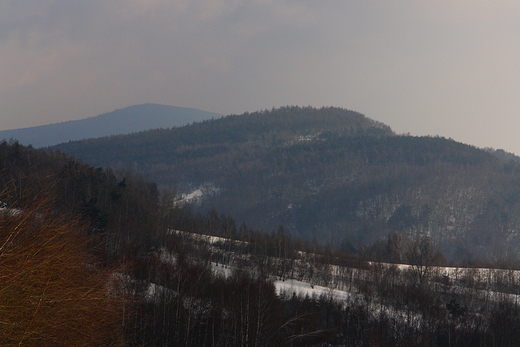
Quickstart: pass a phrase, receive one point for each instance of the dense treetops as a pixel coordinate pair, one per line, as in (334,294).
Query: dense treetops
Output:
(58,260)
(276,125)
(328,173)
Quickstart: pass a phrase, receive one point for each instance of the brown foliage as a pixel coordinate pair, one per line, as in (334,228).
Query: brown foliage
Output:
(52,292)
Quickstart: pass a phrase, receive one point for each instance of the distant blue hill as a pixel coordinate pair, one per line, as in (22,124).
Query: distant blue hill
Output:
(122,121)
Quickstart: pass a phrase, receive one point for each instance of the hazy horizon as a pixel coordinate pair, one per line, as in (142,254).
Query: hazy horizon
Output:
(428,68)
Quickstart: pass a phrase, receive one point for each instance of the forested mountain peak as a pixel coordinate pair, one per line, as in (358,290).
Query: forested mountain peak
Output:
(296,119)
(330,174)
(284,122)
(264,129)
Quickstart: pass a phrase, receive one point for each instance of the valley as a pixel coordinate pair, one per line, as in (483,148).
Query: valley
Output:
(289,227)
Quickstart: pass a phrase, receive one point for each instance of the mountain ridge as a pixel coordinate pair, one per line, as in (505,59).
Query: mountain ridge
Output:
(200,279)
(121,121)
(330,174)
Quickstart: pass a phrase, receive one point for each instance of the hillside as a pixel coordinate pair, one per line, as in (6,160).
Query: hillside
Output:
(89,257)
(333,175)
(122,121)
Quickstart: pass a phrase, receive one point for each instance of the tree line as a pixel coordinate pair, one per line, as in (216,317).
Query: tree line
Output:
(332,174)
(94,258)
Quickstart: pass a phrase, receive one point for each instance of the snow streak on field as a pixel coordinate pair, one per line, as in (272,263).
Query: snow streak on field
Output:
(290,286)
(342,283)
(303,288)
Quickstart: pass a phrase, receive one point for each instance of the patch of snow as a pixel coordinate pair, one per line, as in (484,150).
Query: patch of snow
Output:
(221,270)
(205,238)
(196,196)
(11,212)
(304,288)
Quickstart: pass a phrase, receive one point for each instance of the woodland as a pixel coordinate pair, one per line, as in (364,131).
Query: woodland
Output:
(332,175)
(100,256)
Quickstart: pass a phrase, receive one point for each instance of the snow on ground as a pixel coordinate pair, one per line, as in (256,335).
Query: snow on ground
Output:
(303,288)
(206,238)
(456,278)
(190,197)
(197,195)
(10,212)
(289,286)
(222,270)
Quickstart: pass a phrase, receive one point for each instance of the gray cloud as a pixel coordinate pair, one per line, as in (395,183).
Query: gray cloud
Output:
(423,67)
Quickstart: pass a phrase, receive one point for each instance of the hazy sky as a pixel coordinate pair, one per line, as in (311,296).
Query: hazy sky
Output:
(447,67)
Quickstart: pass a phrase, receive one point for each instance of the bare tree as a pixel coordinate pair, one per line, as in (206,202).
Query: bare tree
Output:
(422,254)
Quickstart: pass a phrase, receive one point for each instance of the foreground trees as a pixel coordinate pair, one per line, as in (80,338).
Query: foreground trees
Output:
(52,291)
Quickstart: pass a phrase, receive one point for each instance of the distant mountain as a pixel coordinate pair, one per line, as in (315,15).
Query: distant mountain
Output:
(122,121)
(330,174)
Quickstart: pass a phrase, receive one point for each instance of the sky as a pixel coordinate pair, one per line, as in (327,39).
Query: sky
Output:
(443,67)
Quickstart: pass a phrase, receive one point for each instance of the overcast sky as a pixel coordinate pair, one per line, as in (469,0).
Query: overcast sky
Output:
(437,67)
